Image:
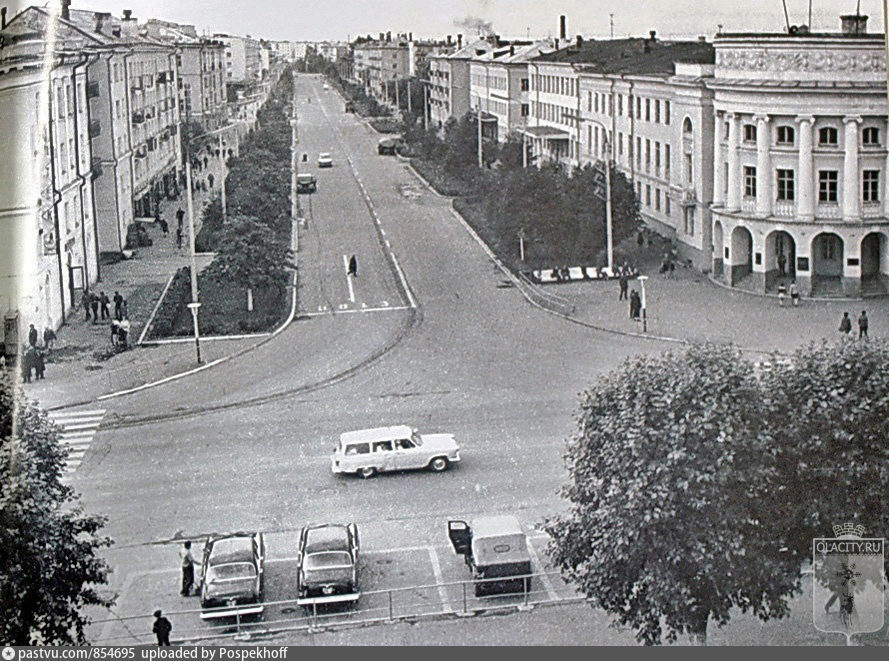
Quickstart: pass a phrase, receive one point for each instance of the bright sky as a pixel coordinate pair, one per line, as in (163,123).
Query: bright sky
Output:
(315,20)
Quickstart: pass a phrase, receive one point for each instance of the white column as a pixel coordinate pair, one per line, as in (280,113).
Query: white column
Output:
(733,202)
(805,185)
(763,166)
(885,188)
(718,161)
(850,170)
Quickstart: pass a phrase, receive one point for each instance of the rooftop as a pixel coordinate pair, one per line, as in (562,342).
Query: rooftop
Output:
(639,55)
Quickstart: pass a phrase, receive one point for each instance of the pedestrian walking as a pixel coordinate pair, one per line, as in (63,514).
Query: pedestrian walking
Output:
(794,293)
(161,629)
(635,305)
(85,302)
(782,294)
(124,309)
(210,179)
(862,325)
(103,302)
(187,561)
(49,338)
(27,364)
(845,324)
(118,301)
(179,237)
(165,228)
(94,304)
(115,330)
(353,266)
(32,336)
(123,333)
(624,285)
(206,162)
(39,364)
(180,214)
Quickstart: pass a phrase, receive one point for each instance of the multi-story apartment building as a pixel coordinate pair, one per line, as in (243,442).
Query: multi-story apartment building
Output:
(243,64)
(379,62)
(800,160)
(202,74)
(645,103)
(449,81)
(49,252)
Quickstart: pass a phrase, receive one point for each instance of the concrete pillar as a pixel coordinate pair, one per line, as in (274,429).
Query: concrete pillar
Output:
(718,163)
(885,191)
(733,201)
(851,206)
(805,188)
(763,167)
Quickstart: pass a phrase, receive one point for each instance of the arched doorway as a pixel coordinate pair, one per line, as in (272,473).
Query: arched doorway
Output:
(718,249)
(741,259)
(827,264)
(780,259)
(874,264)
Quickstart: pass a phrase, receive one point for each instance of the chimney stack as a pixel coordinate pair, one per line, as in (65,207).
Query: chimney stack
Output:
(382,36)
(652,35)
(579,41)
(2,18)
(388,36)
(449,40)
(127,14)
(129,25)
(459,41)
(66,9)
(562,28)
(854,24)
(410,36)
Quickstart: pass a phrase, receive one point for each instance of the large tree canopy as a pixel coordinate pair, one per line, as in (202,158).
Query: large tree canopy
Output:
(49,568)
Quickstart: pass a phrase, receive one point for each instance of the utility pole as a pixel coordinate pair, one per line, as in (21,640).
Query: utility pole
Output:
(426,107)
(397,100)
(194,305)
(478,118)
(222,177)
(409,108)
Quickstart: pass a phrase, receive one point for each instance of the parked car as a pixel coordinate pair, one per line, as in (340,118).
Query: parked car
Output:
(232,580)
(325,160)
(306,183)
(327,564)
(496,551)
(326,86)
(367,452)
(388,146)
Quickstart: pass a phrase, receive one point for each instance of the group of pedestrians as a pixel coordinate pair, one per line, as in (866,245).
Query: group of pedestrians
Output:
(793,290)
(846,325)
(120,322)
(34,354)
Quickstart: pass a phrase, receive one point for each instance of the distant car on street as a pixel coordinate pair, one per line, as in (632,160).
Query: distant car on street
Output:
(326,86)
(327,564)
(306,183)
(325,160)
(233,576)
(388,146)
(367,452)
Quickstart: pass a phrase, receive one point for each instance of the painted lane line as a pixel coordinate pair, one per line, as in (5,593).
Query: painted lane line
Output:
(357,310)
(348,280)
(547,584)
(439,579)
(78,414)
(407,290)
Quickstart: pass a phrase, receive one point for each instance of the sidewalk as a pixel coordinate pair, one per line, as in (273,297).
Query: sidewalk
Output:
(82,364)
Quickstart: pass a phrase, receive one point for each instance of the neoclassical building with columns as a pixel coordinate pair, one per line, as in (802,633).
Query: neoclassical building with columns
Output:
(800,161)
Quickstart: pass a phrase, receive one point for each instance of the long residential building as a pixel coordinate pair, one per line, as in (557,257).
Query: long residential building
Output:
(243,59)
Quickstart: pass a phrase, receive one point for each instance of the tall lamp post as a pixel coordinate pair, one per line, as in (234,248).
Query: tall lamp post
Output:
(609,220)
(642,279)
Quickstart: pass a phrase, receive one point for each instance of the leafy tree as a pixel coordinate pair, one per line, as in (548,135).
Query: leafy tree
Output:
(673,520)
(831,405)
(251,254)
(49,568)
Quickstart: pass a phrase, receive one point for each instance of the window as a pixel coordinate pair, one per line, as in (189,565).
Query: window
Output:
(638,152)
(358,448)
(382,446)
(666,160)
(870,186)
(647,195)
(524,110)
(620,144)
(828,136)
(749,181)
(667,205)
(749,132)
(620,104)
(657,156)
(638,108)
(647,110)
(657,199)
(828,247)
(647,153)
(666,114)
(785,135)
(523,84)
(871,136)
(827,185)
(657,111)
(629,105)
(60,102)
(785,185)
(589,101)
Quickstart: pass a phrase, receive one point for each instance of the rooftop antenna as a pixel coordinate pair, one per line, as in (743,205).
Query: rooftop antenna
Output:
(786,17)
(611,21)
(810,15)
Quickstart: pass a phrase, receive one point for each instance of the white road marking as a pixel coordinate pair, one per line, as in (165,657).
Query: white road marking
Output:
(439,579)
(77,431)
(385,308)
(343,306)
(348,280)
(410,297)
(538,567)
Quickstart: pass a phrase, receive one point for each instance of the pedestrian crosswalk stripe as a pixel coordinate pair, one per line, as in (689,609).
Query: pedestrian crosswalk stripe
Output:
(77,431)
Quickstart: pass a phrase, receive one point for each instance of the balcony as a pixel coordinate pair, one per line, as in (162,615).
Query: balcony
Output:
(783,208)
(872,210)
(830,211)
(96,168)
(138,118)
(748,204)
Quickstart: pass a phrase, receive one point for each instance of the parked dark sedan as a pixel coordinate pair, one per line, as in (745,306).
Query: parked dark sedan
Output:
(233,575)
(327,564)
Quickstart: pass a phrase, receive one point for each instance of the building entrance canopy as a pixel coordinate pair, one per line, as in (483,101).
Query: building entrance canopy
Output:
(546,133)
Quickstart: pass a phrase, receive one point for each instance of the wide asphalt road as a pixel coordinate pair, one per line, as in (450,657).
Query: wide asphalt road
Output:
(431,334)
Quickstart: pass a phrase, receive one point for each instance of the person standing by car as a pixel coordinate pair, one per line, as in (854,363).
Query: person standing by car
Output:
(161,629)
(187,560)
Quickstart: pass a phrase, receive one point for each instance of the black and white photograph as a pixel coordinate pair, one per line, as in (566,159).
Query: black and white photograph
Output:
(473,323)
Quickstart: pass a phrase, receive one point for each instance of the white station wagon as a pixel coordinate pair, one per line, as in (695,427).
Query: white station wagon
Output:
(370,451)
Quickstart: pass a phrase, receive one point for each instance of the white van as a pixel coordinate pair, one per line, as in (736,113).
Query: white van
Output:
(370,451)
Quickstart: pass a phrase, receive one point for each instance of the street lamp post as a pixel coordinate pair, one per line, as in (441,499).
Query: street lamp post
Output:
(642,279)
(194,305)
(222,177)
(609,220)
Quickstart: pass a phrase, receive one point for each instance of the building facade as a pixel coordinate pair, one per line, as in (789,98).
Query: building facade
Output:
(243,61)
(800,155)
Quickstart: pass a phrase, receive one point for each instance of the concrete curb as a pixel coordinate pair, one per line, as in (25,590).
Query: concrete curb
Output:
(815,299)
